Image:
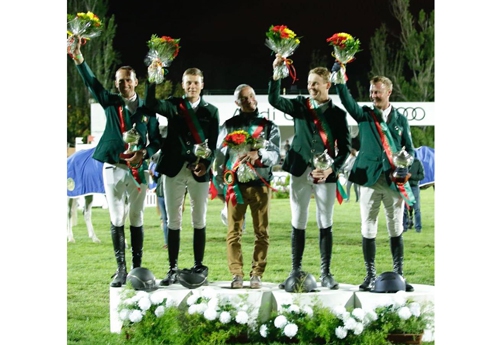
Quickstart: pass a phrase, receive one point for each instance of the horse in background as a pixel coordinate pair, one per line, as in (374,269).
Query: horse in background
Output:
(84,179)
(87,216)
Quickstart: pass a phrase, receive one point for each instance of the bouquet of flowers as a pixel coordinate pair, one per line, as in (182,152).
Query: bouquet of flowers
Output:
(86,25)
(344,48)
(241,142)
(283,41)
(162,51)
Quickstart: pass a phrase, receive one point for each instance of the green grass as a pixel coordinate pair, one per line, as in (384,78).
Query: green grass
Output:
(90,265)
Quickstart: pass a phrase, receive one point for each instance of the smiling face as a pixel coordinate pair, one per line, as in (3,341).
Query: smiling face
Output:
(380,91)
(246,100)
(126,81)
(192,85)
(318,84)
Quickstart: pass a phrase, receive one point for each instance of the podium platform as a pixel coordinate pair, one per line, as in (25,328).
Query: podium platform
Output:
(270,297)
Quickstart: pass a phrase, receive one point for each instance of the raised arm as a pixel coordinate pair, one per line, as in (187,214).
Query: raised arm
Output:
(291,107)
(161,107)
(98,92)
(345,96)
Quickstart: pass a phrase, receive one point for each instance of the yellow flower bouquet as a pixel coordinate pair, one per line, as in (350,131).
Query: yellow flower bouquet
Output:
(281,40)
(162,51)
(86,25)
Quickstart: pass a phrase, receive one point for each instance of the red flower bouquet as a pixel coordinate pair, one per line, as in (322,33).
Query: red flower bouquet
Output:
(281,40)
(237,140)
(344,48)
(241,142)
(162,51)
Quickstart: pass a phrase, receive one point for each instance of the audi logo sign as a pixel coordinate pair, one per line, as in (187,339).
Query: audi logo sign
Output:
(412,114)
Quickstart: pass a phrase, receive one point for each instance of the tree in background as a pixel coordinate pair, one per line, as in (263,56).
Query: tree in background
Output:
(102,58)
(407,59)
(163,90)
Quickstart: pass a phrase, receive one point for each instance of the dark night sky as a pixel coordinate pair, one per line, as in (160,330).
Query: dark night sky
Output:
(225,39)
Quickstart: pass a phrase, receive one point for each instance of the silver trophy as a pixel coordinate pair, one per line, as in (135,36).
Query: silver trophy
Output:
(131,139)
(402,160)
(201,151)
(322,161)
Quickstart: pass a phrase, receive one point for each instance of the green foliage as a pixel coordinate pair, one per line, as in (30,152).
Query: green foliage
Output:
(422,136)
(404,318)
(163,90)
(78,122)
(178,91)
(314,324)
(408,62)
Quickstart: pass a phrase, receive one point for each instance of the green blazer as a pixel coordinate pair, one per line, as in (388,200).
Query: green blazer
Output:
(307,141)
(178,146)
(372,160)
(111,143)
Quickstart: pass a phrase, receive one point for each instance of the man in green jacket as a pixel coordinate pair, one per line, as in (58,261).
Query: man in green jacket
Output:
(124,175)
(191,121)
(383,132)
(320,126)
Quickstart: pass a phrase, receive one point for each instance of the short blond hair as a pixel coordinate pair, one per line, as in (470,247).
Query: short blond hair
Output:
(381,79)
(323,72)
(193,71)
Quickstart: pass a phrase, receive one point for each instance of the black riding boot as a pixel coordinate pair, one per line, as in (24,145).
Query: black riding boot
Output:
(325,249)
(173,253)
(369,250)
(298,240)
(199,240)
(118,239)
(137,239)
(397,250)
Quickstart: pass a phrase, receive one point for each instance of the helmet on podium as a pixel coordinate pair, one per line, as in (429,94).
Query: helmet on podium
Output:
(389,282)
(303,282)
(142,279)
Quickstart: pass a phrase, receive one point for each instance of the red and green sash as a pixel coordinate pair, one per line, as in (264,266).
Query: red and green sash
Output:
(192,121)
(390,147)
(137,171)
(325,134)
(323,129)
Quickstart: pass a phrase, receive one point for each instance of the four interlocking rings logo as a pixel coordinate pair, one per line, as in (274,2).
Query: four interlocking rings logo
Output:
(417,114)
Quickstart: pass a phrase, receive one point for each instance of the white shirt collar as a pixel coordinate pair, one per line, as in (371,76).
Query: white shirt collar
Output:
(386,112)
(195,104)
(131,103)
